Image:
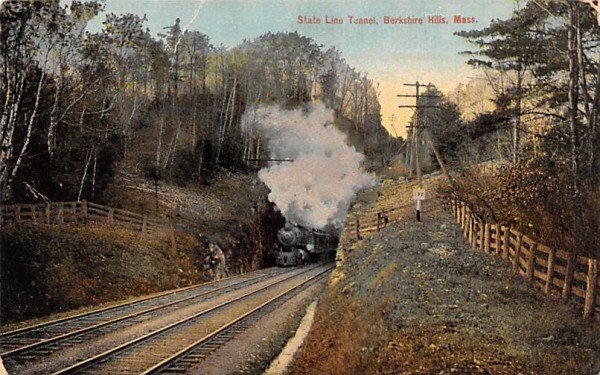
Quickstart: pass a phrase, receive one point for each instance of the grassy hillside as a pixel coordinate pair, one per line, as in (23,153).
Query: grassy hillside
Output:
(46,269)
(414,299)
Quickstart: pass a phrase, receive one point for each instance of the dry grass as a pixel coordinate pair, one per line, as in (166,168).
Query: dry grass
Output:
(47,269)
(405,307)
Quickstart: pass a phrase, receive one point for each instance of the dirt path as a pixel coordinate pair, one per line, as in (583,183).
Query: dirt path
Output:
(413,299)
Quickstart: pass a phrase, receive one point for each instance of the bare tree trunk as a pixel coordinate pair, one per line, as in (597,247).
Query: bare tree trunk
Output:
(29,128)
(94,174)
(257,156)
(222,112)
(51,138)
(5,108)
(590,104)
(574,124)
(87,164)
(517,119)
(173,149)
(194,135)
(343,92)
(127,126)
(8,130)
(583,79)
(232,104)
(366,107)
(203,75)
(159,142)
(191,73)
(228,119)
(595,131)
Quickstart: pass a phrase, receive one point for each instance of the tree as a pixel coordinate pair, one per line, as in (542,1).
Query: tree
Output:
(551,47)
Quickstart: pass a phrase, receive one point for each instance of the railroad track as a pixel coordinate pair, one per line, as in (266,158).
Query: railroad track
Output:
(29,344)
(179,345)
(191,355)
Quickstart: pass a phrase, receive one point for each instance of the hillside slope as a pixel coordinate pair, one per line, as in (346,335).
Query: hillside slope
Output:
(49,269)
(414,299)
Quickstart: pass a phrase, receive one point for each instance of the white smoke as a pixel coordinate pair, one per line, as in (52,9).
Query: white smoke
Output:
(317,187)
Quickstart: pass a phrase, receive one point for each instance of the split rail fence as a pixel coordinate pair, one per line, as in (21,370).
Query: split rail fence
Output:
(553,271)
(356,229)
(374,221)
(82,212)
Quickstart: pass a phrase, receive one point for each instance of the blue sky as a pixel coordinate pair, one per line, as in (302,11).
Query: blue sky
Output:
(390,54)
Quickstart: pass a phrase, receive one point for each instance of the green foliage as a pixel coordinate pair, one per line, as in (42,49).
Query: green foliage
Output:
(122,99)
(542,64)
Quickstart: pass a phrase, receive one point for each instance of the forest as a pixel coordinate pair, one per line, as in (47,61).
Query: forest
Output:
(539,133)
(79,107)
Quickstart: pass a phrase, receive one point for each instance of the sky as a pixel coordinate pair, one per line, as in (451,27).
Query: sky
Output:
(391,54)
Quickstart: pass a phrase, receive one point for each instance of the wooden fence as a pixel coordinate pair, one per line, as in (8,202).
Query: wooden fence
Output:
(360,227)
(374,221)
(82,212)
(551,270)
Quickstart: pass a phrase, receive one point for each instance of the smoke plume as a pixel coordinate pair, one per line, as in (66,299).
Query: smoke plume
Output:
(316,188)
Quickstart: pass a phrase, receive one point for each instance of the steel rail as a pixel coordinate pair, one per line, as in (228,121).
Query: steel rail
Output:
(117,306)
(92,327)
(183,352)
(97,358)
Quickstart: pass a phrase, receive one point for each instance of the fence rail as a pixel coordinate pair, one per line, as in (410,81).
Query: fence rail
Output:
(374,221)
(82,212)
(553,271)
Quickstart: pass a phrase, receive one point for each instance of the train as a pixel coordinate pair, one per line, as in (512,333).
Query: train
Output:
(301,245)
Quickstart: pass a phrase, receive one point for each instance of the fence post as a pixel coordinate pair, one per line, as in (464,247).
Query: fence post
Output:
(74,206)
(456,209)
(378,220)
(144,223)
(465,223)
(48,211)
(467,230)
(84,210)
(497,243)
(111,216)
(550,271)
(590,290)
(531,262)
(517,257)
(478,235)
(33,213)
(566,292)
(506,244)
(358,229)
(486,238)
(61,217)
(470,229)
(475,232)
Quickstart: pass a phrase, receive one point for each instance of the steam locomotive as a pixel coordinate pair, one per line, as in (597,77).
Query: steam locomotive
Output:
(300,245)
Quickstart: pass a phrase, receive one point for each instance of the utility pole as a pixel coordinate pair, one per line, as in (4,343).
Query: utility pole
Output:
(392,121)
(419,195)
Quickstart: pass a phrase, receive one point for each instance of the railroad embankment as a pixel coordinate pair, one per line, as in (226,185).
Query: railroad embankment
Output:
(47,269)
(413,298)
